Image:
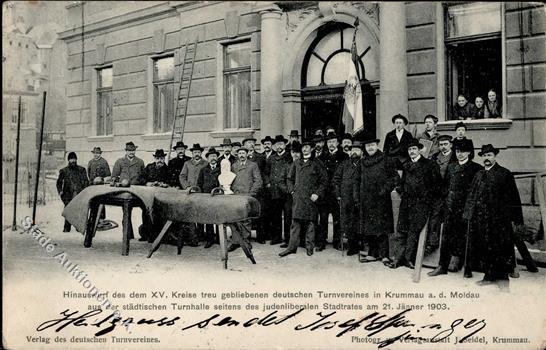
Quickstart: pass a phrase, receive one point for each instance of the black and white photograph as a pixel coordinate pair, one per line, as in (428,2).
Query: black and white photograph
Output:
(273,175)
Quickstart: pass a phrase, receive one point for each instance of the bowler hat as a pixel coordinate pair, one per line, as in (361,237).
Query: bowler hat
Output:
(460,125)
(236,144)
(249,139)
(329,127)
(433,117)
(445,138)
(130,146)
(243,149)
(308,142)
(370,139)
(464,145)
(96,150)
(347,136)
(267,138)
(180,144)
(212,150)
(358,144)
(294,133)
(488,148)
(280,138)
(196,147)
(400,116)
(318,138)
(226,142)
(159,153)
(72,155)
(330,136)
(318,131)
(415,143)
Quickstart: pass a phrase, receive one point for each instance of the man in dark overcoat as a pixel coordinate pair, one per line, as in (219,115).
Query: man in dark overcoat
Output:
(259,159)
(345,182)
(419,187)
(157,172)
(376,179)
(331,159)
(207,181)
(307,183)
(71,181)
(248,181)
(98,167)
(397,140)
(281,202)
(177,163)
(493,204)
(458,179)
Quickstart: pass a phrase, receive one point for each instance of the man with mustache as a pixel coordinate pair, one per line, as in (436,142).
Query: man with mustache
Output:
(188,179)
(250,145)
(227,146)
(248,181)
(419,187)
(346,143)
(493,204)
(130,167)
(207,181)
(457,181)
(157,173)
(345,184)
(177,163)
(71,181)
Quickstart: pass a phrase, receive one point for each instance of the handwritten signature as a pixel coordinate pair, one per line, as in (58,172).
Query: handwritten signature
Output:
(373,324)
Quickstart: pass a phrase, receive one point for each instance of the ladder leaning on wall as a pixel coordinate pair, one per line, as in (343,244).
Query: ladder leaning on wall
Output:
(184,85)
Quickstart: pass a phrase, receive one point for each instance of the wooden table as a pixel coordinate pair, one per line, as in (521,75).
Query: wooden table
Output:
(127,202)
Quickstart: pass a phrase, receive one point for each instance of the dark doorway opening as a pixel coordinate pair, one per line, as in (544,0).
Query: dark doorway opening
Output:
(323,106)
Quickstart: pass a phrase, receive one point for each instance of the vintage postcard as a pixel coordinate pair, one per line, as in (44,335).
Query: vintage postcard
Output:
(273,175)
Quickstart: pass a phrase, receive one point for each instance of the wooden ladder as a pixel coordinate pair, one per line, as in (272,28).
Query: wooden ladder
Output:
(184,85)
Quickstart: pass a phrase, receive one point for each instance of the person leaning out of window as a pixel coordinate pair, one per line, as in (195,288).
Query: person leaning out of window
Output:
(463,109)
(479,108)
(493,107)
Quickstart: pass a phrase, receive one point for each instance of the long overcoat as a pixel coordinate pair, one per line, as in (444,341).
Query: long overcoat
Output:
(208,178)
(248,179)
(376,178)
(71,181)
(132,170)
(277,169)
(98,168)
(345,182)
(307,178)
(397,149)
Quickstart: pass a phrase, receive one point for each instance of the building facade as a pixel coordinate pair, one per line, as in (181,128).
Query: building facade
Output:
(266,68)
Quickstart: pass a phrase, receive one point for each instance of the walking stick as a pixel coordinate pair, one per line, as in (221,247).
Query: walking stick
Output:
(467,270)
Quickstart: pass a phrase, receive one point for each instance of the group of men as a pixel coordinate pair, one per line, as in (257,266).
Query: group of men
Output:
(299,183)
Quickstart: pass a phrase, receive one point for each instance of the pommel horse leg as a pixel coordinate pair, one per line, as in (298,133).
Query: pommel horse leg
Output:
(223,248)
(92,222)
(159,237)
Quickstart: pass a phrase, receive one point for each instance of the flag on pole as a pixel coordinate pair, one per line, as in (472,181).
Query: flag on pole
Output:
(352,107)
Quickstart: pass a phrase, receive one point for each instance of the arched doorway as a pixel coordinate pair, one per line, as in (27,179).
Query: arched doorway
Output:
(323,75)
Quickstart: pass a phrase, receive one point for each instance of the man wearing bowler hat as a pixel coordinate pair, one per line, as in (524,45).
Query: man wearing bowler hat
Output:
(345,184)
(492,206)
(331,159)
(98,167)
(419,187)
(294,136)
(276,183)
(130,167)
(307,183)
(157,172)
(177,163)
(227,147)
(376,178)
(265,199)
(248,181)
(249,144)
(397,140)
(207,181)
(346,143)
(71,181)
(188,179)
(459,176)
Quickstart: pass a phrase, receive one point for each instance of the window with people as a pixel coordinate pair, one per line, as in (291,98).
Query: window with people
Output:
(474,60)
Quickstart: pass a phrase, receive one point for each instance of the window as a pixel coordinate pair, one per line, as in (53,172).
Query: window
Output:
(474,53)
(14,111)
(163,89)
(105,78)
(237,85)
